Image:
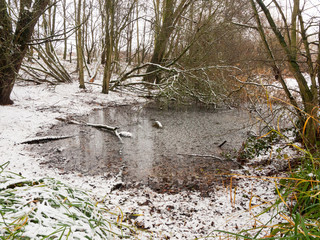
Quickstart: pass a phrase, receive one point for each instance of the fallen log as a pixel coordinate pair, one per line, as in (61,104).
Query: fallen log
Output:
(44,139)
(102,126)
(98,126)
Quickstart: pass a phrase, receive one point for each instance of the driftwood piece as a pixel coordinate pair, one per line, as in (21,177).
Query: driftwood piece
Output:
(44,139)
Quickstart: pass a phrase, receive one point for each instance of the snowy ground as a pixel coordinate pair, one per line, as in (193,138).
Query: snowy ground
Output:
(181,216)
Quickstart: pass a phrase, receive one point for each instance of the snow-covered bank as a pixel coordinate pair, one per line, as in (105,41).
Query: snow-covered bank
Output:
(182,216)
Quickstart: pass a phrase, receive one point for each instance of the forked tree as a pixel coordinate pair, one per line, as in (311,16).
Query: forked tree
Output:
(115,23)
(15,35)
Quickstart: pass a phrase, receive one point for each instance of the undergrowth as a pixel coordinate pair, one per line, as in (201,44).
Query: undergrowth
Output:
(296,211)
(300,194)
(49,209)
(254,146)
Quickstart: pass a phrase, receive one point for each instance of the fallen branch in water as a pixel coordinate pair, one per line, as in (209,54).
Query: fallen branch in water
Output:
(102,126)
(44,139)
(199,155)
(210,156)
(224,142)
(98,126)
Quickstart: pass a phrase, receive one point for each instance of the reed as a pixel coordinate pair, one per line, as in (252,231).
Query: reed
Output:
(48,209)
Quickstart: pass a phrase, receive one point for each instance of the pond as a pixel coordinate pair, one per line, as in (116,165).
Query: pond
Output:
(182,155)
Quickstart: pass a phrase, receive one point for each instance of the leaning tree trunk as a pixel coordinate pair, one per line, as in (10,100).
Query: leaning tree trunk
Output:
(14,44)
(171,16)
(309,95)
(161,40)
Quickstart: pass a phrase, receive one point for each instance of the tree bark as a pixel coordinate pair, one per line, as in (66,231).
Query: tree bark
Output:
(161,40)
(109,46)
(169,20)
(65,40)
(14,43)
(79,46)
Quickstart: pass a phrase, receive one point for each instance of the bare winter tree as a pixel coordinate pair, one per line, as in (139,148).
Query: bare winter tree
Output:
(115,23)
(172,12)
(64,9)
(15,34)
(196,54)
(109,44)
(297,40)
(80,57)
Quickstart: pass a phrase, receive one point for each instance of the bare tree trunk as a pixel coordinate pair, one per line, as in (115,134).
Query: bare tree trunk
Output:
(309,96)
(64,4)
(169,20)
(294,16)
(108,46)
(46,30)
(13,44)
(138,40)
(276,70)
(79,46)
(161,39)
(129,40)
(143,51)
(89,37)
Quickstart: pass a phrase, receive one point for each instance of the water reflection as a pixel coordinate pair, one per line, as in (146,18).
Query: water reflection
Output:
(162,158)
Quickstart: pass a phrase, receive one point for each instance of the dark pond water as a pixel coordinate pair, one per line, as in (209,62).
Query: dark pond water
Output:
(179,156)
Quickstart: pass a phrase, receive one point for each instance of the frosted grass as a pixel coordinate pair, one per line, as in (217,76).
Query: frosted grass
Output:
(48,209)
